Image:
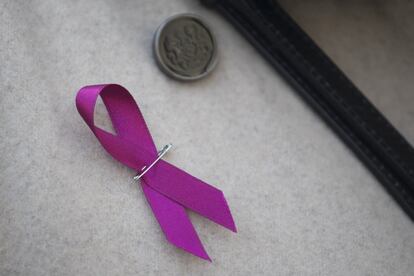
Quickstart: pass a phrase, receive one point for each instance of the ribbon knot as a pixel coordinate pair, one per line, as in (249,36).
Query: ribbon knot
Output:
(168,189)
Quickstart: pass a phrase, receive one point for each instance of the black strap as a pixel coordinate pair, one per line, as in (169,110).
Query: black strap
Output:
(366,131)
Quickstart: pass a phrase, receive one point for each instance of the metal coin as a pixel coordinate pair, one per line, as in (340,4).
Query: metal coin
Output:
(185,47)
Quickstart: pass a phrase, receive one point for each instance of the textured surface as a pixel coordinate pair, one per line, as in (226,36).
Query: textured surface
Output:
(303,204)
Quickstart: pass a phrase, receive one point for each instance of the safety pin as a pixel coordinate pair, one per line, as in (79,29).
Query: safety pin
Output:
(161,153)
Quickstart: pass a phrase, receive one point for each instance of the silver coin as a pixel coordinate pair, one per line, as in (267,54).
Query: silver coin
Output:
(185,47)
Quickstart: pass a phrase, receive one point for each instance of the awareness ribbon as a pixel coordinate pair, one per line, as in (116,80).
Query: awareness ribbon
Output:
(168,189)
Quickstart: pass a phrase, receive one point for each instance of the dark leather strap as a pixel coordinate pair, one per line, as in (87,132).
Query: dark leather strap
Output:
(366,131)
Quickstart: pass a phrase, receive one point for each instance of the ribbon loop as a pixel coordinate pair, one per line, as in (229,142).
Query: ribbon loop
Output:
(168,189)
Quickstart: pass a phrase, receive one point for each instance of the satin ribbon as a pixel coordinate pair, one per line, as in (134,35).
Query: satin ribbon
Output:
(168,189)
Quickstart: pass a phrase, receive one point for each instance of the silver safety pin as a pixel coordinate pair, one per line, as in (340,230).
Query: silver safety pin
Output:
(161,153)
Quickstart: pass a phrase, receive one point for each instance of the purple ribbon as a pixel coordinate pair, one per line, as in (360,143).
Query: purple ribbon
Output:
(168,189)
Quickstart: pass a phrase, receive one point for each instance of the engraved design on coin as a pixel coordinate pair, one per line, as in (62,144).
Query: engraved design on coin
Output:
(188,48)
(185,48)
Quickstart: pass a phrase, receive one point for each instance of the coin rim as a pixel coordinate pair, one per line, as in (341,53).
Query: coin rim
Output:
(213,61)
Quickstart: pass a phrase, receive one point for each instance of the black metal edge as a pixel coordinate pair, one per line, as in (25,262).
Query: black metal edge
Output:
(254,19)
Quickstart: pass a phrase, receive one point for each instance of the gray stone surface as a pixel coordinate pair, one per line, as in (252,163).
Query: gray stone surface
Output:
(302,202)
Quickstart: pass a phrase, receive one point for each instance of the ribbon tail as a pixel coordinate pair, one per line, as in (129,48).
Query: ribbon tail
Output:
(175,223)
(191,192)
